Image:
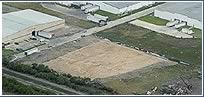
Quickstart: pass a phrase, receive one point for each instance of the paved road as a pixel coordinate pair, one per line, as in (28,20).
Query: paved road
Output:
(161,29)
(42,82)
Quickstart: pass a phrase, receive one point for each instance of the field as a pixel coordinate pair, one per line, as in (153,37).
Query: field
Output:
(154,20)
(187,50)
(103,59)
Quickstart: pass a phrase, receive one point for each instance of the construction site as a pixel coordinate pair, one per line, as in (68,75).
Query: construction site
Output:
(103,48)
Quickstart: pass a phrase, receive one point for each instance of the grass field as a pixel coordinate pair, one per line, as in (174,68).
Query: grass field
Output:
(188,50)
(80,23)
(154,20)
(36,6)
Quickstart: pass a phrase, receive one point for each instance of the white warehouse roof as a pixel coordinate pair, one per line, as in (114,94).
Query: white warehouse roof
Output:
(190,9)
(120,5)
(17,21)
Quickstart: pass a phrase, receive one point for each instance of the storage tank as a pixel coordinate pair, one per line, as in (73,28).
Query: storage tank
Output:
(31,51)
(86,6)
(92,9)
(172,23)
(45,34)
(180,24)
(105,18)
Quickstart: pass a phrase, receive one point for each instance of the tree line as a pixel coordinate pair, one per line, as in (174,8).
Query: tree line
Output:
(12,85)
(85,85)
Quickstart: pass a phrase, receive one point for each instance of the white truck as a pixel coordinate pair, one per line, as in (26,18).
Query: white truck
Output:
(43,34)
(172,23)
(181,24)
(92,9)
(31,51)
(105,18)
(99,21)
(86,6)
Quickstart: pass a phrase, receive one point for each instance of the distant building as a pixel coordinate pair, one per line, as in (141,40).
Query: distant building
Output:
(120,7)
(20,24)
(190,12)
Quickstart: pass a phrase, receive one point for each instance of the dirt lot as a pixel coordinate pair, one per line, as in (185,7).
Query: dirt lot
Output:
(102,59)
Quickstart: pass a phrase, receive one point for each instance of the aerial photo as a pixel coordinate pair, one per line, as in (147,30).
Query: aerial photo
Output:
(102,48)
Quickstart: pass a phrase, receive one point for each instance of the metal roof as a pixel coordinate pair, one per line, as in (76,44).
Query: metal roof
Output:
(120,5)
(190,9)
(20,20)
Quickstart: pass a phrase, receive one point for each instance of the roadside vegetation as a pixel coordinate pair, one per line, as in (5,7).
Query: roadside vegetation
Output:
(16,87)
(85,85)
(154,20)
(187,50)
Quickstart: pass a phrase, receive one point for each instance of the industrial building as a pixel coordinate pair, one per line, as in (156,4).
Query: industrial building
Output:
(189,12)
(120,7)
(20,24)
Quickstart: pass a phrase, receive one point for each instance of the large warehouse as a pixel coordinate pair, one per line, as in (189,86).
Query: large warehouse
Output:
(20,24)
(120,7)
(190,12)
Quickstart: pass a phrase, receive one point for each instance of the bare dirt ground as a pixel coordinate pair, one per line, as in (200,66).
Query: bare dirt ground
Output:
(66,31)
(102,59)
(55,52)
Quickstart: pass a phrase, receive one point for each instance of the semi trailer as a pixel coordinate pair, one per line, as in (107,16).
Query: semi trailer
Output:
(94,19)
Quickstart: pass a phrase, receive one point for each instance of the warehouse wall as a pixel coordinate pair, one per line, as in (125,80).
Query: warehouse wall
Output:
(18,36)
(170,16)
(106,7)
(135,6)
(114,10)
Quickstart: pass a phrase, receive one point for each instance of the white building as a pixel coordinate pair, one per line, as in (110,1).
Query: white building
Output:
(19,25)
(191,12)
(120,7)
